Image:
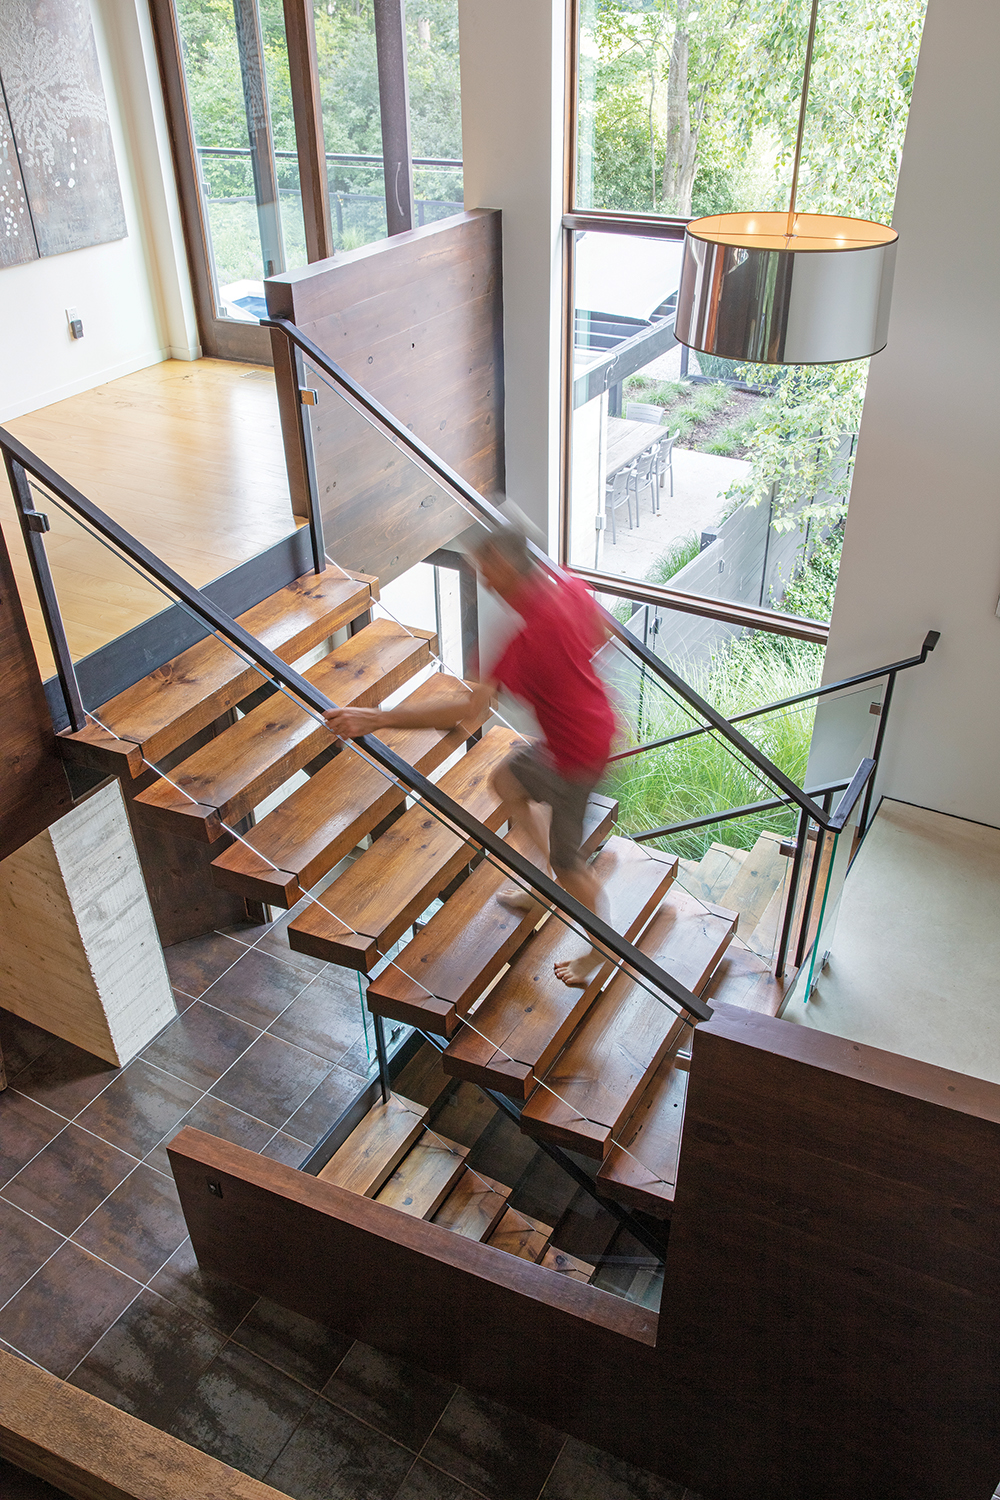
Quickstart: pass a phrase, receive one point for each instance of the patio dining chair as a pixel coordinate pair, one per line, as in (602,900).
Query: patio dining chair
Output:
(618,491)
(665,465)
(642,411)
(644,475)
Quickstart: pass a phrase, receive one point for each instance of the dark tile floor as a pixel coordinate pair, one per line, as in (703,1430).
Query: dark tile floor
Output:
(99,1285)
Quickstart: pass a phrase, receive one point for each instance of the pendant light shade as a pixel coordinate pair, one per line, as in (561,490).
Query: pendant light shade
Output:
(785,288)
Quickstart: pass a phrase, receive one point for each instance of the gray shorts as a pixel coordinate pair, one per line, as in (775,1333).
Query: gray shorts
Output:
(568,800)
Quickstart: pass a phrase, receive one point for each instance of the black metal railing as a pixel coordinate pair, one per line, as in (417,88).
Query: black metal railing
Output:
(21,462)
(811,813)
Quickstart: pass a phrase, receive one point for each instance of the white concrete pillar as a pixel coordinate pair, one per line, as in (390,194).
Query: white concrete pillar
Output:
(513,82)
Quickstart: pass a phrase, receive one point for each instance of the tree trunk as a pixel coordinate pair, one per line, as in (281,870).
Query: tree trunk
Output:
(680,163)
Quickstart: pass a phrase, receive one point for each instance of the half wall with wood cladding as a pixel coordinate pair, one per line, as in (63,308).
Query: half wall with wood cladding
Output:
(829,1325)
(417,320)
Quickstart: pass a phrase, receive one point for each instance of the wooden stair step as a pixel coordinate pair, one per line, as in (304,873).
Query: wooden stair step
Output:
(167,707)
(520,1235)
(326,818)
(598,1078)
(376,1146)
(381,893)
(240,767)
(530,1014)
(644,1175)
(466,944)
(567,1265)
(474,1206)
(423,1078)
(713,873)
(425,1176)
(759,877)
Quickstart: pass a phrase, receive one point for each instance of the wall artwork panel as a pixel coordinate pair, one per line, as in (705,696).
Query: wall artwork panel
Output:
(56,113)
(17,238)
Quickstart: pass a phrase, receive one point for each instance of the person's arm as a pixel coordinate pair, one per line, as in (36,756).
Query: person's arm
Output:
(457,705)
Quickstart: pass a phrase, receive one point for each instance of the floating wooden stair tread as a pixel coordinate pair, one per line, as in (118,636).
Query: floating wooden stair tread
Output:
(323,820)
(167,707)
(644,1175)
(240,767)
(714,873)
(466,944)
(474,1206)
(601,1074)
(425,1176)
(757,881)
(530,1014)
(381,893)
(521,1235)
(567,1265)
(376,1146)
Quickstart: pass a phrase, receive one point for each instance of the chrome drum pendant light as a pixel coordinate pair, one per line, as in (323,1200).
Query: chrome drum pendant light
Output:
(786,288)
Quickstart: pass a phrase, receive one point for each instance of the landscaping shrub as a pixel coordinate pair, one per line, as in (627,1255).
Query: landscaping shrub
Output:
(704,774)
(682,550)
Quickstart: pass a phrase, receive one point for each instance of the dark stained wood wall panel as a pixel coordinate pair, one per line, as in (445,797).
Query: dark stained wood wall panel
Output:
(417,320)
(33,786)
(834,1251)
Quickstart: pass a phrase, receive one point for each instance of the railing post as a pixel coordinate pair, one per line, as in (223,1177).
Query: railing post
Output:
(800,946)
(32,526)
(383,1056)
(801,843)
(309,459)
(877,751)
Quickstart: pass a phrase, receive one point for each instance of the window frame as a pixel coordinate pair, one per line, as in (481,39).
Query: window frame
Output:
(649,226)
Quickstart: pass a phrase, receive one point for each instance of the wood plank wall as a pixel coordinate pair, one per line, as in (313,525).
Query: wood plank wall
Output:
(417,320)
(33,786)
(829,1326)
(833,1270)
(93,1451)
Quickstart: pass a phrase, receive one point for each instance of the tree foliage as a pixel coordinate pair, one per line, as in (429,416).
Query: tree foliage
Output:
(720,136)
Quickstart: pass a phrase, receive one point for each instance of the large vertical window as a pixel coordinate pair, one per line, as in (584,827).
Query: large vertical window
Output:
(729,481)
(236,86)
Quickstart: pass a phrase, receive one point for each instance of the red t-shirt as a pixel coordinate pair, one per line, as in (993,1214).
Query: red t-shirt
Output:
(548,664)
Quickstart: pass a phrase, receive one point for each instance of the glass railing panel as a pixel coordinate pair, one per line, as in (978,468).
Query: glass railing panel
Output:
(101,596)
(835,852)
(387,511)
(845,732)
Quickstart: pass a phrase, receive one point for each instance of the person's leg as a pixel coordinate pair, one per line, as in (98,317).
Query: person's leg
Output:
(524,814)
(580,881)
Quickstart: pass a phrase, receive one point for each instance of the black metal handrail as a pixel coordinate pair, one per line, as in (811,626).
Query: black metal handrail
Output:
(706,820)
(21,460)
(470,498)
(930,641)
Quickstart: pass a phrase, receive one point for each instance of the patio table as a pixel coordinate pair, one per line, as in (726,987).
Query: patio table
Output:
(626,440)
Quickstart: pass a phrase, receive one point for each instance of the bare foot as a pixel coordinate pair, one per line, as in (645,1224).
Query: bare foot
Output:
(515,900)
(576,971)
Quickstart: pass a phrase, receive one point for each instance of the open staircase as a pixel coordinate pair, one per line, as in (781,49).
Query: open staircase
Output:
(599,1068)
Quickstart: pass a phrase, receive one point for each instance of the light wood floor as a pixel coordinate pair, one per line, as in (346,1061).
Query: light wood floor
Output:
(186,456)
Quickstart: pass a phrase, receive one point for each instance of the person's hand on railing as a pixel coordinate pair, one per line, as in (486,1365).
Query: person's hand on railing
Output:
(351,723)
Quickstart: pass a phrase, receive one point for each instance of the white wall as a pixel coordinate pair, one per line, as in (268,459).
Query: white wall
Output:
(134,295)
(922,549)
(513,67)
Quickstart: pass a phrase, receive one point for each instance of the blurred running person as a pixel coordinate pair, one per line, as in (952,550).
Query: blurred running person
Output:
(548,664)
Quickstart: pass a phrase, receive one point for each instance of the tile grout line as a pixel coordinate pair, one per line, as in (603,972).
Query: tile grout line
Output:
(562,1449)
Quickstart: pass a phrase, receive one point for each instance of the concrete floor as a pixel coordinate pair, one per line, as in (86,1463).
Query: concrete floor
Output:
(916,952)
(700,484)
